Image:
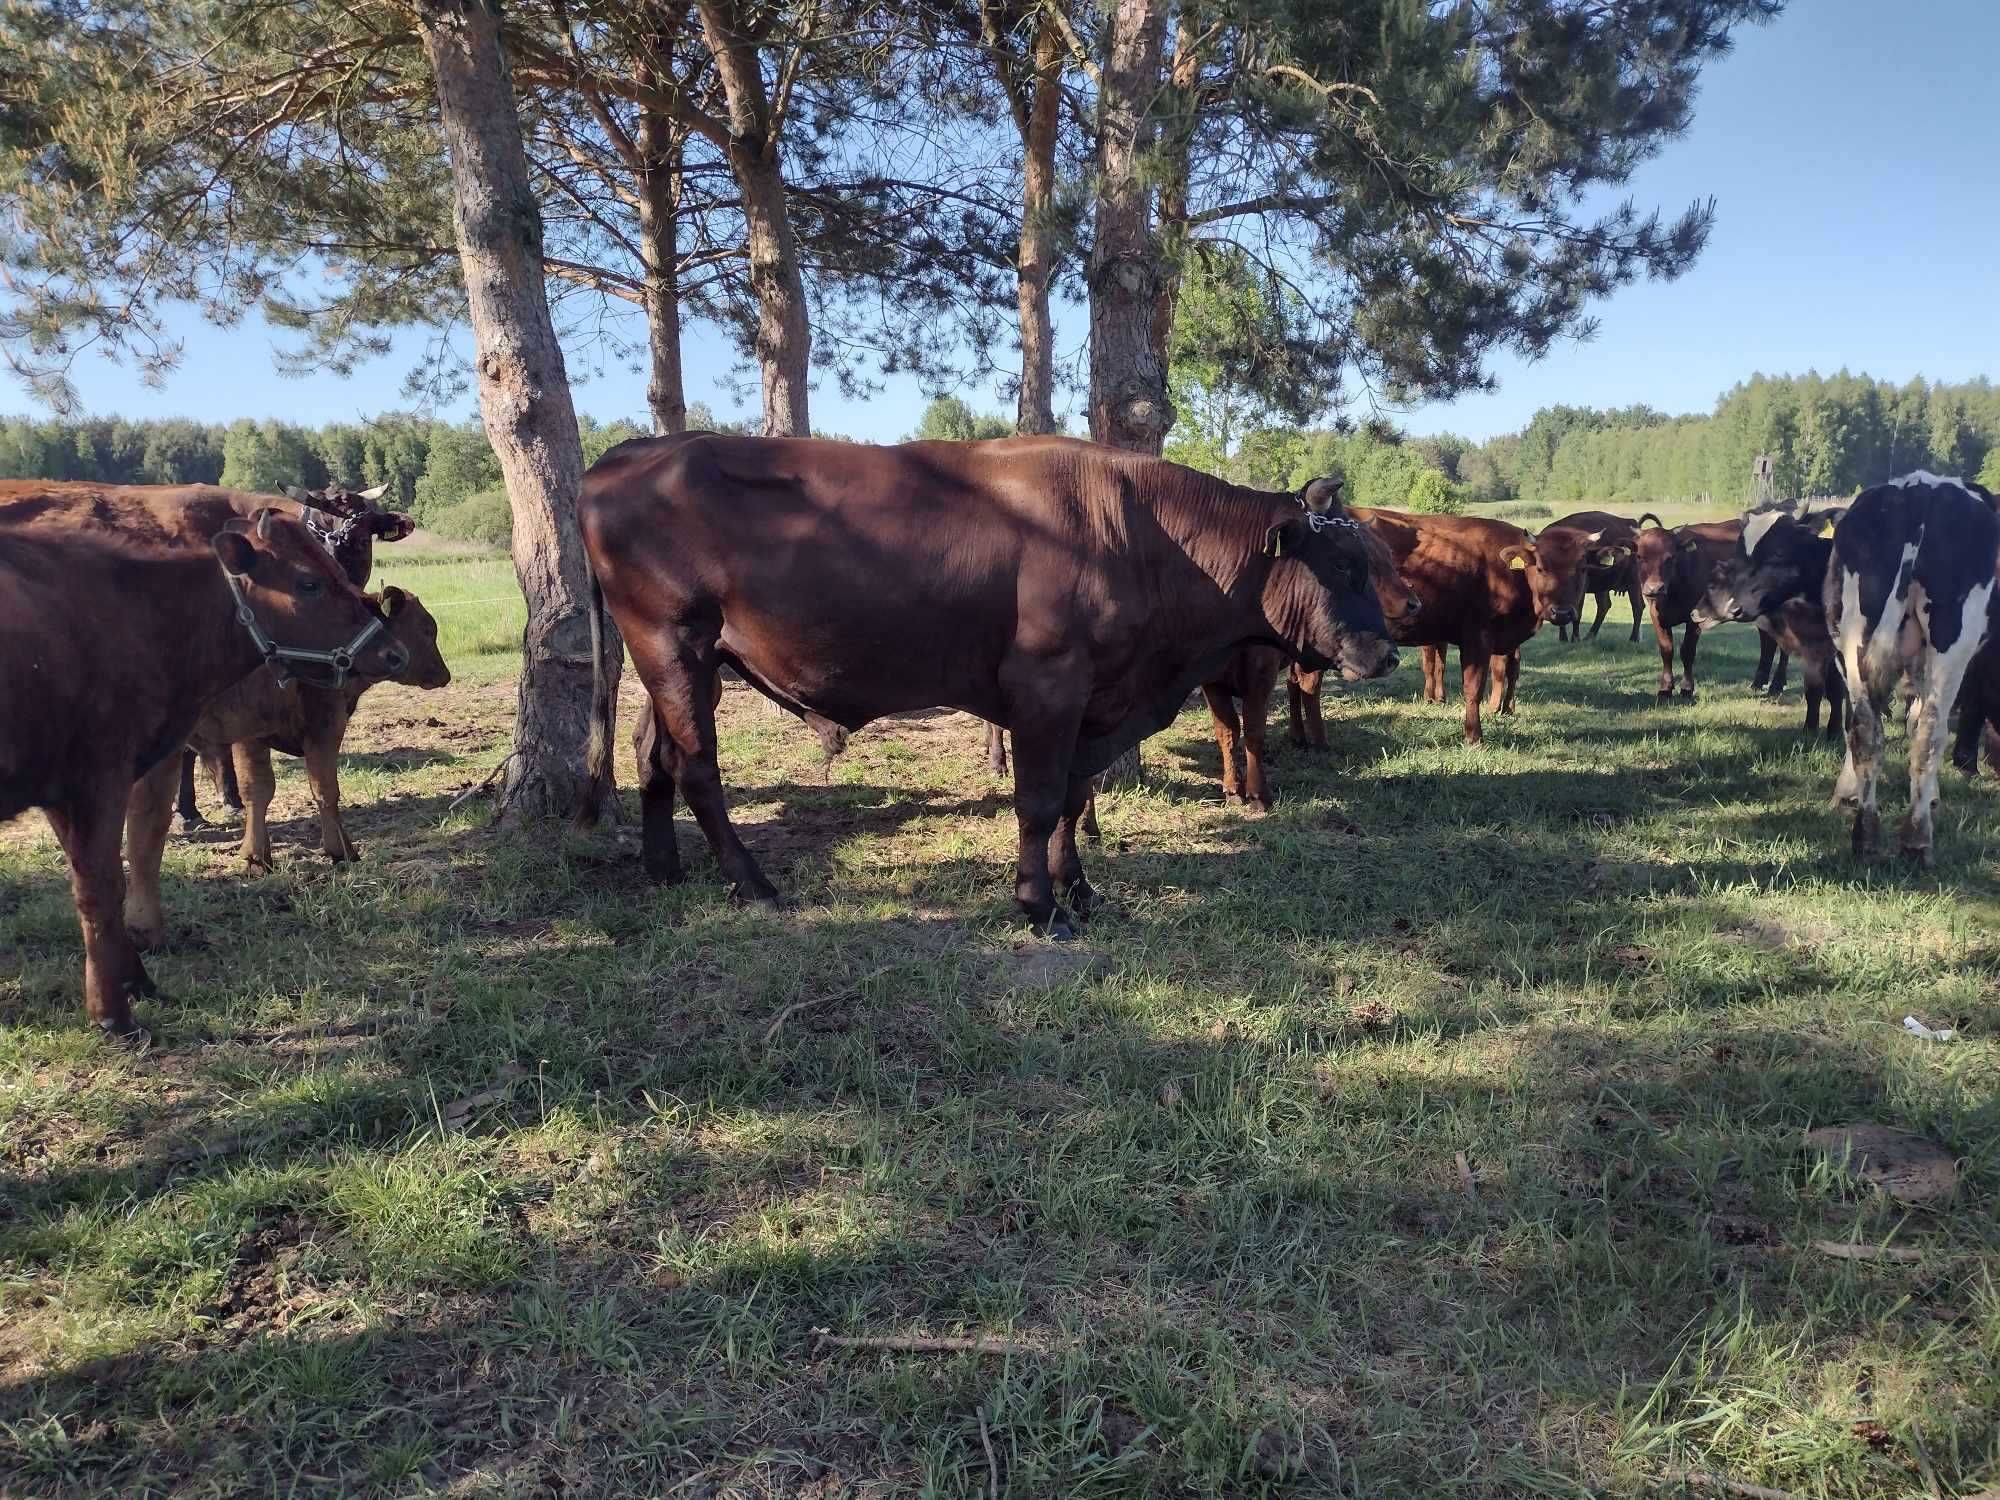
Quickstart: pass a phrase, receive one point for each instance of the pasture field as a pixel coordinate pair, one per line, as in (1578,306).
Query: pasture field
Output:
(1437,1133)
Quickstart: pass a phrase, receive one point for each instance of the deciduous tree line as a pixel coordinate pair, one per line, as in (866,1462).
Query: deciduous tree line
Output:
(843,189)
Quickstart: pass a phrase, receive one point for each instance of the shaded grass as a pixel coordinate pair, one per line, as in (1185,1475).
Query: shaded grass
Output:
(1204,1162)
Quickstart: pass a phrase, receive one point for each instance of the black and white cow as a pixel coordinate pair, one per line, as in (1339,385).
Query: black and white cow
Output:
(1777,578)
(1907,591)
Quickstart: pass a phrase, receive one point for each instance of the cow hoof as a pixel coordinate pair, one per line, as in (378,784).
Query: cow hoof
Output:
(185,826)
(1666,695)
(1688,693)
(1060,930)
(345,856)
(128,1035)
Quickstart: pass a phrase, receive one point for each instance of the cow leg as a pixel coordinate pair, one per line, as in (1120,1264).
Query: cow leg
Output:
(1474,663)
(1767,648)
(89,830)
(659,850)
(1603,598)
(1690,639)
(1044,735)
(1943,671)
(996,749)
(1257,688)
(681,673)
(1779,672)
(1228,730)
(322,758)
(222,773)
(1638,611)
(1971,720)
(1836,700)
(1065,863)
(1434,674)
(149,813)
(1815,690)
(1569,630)
(1304,689)
(185,806)
(253,772)
(1664,636)
(1506,673)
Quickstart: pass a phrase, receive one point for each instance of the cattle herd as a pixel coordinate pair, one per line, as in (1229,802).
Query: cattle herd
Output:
(1069,594)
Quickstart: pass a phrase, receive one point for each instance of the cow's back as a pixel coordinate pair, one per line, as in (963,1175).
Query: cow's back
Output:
(1453,564)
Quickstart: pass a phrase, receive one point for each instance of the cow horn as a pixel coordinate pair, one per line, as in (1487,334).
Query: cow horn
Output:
(373,494)
(264,524)
(1321,496)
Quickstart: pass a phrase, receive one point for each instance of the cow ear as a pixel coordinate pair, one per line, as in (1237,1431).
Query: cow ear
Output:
(1518,558)
(1322,497)
(394,601)
(235,551)
(373,494)
(1280,539)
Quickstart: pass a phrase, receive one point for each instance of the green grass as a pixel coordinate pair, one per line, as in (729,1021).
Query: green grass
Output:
(473,595)
(1202,1166)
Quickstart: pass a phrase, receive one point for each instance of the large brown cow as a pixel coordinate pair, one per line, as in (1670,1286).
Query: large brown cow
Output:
(1609,567)
(1675,570)
(1486,587)
(261,714)
(1071,593)
(115,639)
(1253,673)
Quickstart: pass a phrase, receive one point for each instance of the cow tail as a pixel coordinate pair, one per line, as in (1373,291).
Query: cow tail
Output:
(599,787)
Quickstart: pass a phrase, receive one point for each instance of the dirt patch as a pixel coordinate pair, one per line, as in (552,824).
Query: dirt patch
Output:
(264,1291)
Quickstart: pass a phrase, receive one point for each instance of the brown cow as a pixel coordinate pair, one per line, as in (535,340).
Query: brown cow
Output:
(1253,673)
(1675,570)
(116,639)
(1609,568)
(261,714)
(1071,593)
(1486,587)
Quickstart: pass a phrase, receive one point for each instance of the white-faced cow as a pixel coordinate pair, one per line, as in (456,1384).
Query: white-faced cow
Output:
(1907,594)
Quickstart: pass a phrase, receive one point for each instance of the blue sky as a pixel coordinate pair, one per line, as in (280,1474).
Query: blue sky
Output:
(1850,148)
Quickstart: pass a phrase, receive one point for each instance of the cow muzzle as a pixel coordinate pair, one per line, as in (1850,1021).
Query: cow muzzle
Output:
(1364,660)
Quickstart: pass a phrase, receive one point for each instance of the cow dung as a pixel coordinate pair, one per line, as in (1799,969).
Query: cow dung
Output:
(1907,1167)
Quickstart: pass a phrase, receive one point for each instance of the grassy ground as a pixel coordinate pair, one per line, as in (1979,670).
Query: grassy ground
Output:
(479,1168)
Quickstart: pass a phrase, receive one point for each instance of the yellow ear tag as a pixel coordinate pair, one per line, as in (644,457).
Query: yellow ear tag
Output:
(1518,563)
(1826,526)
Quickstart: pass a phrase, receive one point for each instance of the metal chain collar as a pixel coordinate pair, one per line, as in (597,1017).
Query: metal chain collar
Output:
(340,660)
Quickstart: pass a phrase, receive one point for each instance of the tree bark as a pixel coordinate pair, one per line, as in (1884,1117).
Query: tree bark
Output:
(659,143)
(784,340)
(1128,380)
(524,400)
(1035,263)
(1128,383)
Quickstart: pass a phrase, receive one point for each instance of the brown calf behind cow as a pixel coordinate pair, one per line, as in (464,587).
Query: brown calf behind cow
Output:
(261,714)
(116,638)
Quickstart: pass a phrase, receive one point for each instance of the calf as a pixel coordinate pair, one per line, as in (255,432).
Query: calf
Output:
(1485,588)
(1775,578)
(116,640)
(261,714)
(1907,595)
(1675,570)
(1609,567)
(1253,672)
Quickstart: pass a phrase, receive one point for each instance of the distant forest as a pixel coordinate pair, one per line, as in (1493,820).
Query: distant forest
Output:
(1826,436)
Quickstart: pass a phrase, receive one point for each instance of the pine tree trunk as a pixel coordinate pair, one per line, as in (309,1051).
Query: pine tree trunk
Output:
(1036,410)
(1128,382)
(659,245)
(784,340)
(525,402)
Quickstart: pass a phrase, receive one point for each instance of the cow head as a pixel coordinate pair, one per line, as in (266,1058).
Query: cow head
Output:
(1551,566)
(298,608)
(1781,556)
(1663,557)
(1593,552)
(416,631)
(1319,592)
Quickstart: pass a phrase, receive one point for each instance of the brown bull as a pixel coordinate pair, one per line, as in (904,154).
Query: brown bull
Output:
(1609,567)
(261,714)
(116,639)
(1486,587)
(1253,673)
(1676,569)
(1072,594)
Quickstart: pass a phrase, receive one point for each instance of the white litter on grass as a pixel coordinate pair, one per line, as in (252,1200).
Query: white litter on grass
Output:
(1918,1029)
